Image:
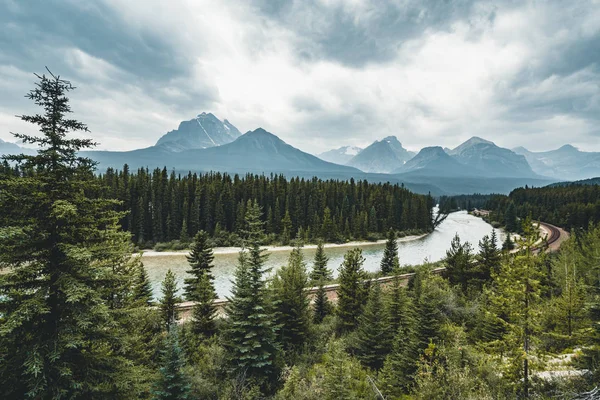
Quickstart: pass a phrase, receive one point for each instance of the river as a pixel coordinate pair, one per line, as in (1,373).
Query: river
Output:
(431,247)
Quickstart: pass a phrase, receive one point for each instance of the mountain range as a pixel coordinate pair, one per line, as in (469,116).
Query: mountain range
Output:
(567,162)
(206,143)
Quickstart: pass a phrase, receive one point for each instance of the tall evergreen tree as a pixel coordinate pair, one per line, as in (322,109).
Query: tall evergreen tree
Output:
(398,307)
(399,366)
(373,334)
(489,257)
(517,291)
(321,305)
(390,261)
(291,302)
(353,291)
(459,263)
(57,246)
(169,300)
(320,272)
(250,332)
(172,383)
(199,287)
(142,288)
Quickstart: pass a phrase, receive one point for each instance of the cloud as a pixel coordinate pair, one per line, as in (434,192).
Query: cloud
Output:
(318,73)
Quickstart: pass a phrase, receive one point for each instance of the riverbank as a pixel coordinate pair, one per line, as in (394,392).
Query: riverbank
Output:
(271,249)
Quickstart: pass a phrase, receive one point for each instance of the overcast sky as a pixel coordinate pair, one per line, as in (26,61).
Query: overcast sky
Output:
(318,73)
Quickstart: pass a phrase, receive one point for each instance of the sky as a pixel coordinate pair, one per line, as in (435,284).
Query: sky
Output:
(320,74)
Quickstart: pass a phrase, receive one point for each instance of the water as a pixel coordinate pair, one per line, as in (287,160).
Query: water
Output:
(429,248)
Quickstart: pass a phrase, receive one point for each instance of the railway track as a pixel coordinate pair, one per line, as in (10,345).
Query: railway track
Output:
(554,233)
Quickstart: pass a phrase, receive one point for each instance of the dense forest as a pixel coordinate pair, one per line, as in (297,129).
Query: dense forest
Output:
(162,207)
(78,321)
(570,206)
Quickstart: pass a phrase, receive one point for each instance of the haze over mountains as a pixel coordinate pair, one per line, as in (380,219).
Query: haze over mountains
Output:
(567,162)
(340,155)
(206,143)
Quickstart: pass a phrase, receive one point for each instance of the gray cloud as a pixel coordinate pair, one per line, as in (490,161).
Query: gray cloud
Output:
(318,73)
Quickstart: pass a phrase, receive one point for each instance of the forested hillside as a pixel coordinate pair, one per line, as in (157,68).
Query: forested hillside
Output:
(573,206)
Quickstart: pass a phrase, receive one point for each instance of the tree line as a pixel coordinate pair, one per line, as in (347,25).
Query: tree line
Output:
(164,207)
(568,206)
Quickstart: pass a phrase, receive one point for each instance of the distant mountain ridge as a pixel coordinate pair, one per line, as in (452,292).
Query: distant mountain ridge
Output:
(566,162)
(255,151)
(201,132)
(340,155)
(206,143)
(434,161)
(383,156)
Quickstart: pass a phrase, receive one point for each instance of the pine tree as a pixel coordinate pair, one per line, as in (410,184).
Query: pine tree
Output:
(291,302)
(320,272)
(199,287)
(373,338)
(488,258)
(250,332)
(510,218)
(343,376)
(169,300)
(321,306)
(398,307)
(459,266)
(517,291)
(172,383)
(142,288)
(57,245)
(353,290)
(390,261)
(400,365)
(508,245)
(201,260)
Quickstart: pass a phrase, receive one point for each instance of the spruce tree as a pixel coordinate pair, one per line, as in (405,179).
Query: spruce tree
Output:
(250,330)
(291,302)
(169,300)
(142,288)
(517,292)
(400,365)
(172,383)
(459,266)
(488,258)
(390,261)
(353,290)
(398,307)
(199,287)
(321,305)
(320,272)
(373,338)
(57,247)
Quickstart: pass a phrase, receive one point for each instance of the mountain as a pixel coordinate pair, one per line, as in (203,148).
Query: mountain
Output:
(201,132)
(566,162)
(9,148)
(492,161)
(341,155)
(382,156)
(434,161)
(257,151)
